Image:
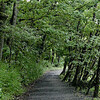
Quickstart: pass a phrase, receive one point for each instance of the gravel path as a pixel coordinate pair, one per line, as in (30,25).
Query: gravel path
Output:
(50,87)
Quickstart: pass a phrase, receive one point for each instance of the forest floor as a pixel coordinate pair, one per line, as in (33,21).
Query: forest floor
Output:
(50,87)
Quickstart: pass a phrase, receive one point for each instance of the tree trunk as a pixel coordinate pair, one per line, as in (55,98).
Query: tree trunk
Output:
(68,72)
(94,14)
(96,91)
(1,45)
(85,76)
(64,68)
(58,59)
(78,25)
(10,56)
(90,83)
(3,18)
(52,56)
(86,73)
(12,22)
(42,44)
(75,80)
(14,15)
(81,75)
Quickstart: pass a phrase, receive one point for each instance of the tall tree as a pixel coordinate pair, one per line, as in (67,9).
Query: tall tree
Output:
(3,17)
(14,14)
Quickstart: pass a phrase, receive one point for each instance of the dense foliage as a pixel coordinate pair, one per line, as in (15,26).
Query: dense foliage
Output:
(36,32)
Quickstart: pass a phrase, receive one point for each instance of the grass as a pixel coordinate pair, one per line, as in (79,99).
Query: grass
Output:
(13,80)
(10,82)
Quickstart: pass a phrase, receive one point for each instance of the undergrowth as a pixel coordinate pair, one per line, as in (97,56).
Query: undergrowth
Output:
(10,82)
(14,79)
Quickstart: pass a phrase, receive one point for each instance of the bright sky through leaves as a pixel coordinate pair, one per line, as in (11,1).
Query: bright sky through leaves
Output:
(28,0)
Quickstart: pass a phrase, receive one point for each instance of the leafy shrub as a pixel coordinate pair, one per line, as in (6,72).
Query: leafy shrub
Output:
(30,70)
(10,82)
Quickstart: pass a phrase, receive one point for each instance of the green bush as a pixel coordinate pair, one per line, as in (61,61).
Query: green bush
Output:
(12,79)
(10,82)
(30,71)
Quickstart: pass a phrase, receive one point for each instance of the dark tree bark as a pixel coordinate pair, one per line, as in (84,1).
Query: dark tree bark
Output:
(10,47)
(3,18)
(58,58)
(42,44)
(52,60)
(94,14)
(81,75)
(75,80)
(65,63)
(1,44)
(64,68)
(85,76)
(14,15)
(96,91)
(12,22)
(86,73)
(91,83)
(68,72)
(78,25)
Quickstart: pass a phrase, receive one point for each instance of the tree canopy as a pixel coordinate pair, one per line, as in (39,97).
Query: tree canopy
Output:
(34,33)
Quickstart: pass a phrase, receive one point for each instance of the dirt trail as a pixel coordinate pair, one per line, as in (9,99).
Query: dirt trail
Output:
(50,87)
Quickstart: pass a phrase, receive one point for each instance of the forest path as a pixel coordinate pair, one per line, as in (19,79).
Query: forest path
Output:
(50,87)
